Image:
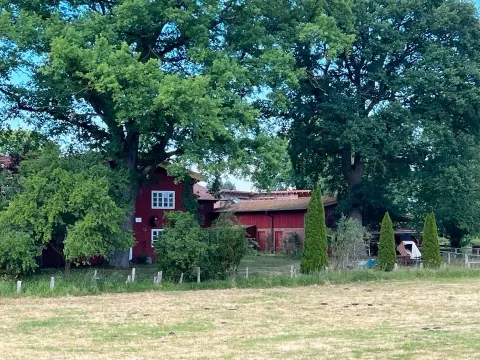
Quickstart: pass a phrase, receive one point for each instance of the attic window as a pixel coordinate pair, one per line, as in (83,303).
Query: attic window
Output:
(163,199)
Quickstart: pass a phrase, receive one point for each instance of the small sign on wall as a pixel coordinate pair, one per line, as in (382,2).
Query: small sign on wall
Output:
(138,220)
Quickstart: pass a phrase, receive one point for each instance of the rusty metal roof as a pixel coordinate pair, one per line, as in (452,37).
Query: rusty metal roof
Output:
(202,193)
(274,205)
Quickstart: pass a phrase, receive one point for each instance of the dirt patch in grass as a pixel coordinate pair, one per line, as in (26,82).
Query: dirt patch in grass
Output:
(401,320)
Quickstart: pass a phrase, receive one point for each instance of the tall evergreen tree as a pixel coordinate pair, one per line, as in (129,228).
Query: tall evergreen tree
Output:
(430,246)
(387,254)
(314,256)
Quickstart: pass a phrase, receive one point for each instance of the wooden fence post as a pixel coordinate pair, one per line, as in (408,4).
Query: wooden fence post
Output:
(52,283)
(246,272)
(181,279)
(133,274)
(198,274)
(19,287)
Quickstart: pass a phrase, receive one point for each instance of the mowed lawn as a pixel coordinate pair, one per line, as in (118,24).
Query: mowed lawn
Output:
(395,320)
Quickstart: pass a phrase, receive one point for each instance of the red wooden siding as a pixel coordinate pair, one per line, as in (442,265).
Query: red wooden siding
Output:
(143,210)
(289,219)
(278,241)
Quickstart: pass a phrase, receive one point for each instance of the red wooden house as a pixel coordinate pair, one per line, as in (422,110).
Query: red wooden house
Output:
(270,220)
(154,200)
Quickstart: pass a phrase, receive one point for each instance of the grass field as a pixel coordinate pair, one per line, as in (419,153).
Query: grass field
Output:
(385,320)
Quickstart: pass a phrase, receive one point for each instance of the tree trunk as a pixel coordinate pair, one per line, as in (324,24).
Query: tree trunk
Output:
(119,258)
(68,267)
(354,174)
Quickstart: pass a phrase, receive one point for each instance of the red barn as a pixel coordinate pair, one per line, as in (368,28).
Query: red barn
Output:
(270,220)
(154,200)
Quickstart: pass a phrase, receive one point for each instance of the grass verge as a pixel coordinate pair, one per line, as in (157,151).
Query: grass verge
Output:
(81,282)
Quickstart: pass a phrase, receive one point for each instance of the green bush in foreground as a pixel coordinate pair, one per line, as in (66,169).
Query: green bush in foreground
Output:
(387,255)
(314,256)
(430,245)
(180,246)
(226,247)
(17,252)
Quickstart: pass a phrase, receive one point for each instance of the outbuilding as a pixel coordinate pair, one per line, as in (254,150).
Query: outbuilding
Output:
(269,221)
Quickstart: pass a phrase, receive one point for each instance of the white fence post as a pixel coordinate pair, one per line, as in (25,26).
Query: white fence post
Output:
(291,271)
(198,274)
(52,283)
(19,287)
(395,267)
(133,274)
(129,278)
(466,260)
(246,272)
(449,258)
(159,277)
(181,279)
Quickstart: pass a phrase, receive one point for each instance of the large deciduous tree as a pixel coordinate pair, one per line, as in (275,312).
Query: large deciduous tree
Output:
(153,80)
(447,182)
(73,204)
(363,116)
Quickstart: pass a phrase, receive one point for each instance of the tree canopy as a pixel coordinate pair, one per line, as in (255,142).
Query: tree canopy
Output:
(73,204)
(151,81)
(363,116)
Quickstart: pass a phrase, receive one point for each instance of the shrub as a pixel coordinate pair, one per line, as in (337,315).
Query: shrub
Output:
(387,255)
(348,241)
(292,245)
(17,252)
(180,246)
(227,245)
(430,245)
(314,256)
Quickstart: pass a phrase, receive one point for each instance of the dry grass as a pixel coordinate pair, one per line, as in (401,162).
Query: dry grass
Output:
(400,320)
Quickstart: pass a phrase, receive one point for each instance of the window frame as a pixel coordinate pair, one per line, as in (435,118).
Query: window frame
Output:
(161,203)
(155,231)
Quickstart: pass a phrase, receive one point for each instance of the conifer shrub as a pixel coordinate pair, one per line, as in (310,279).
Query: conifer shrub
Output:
(387,255)
(430,244)
(314,256)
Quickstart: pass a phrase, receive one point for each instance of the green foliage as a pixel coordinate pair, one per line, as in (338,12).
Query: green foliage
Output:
(363,115)
(387,255)
(22,142)
(181,245)
(348,241)
(454,174)
(17,252)
(292,245)
(430,246)
(314,256)
(226,246)
(74,200)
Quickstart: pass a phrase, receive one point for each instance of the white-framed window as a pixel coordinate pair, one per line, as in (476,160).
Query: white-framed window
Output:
(163,199)
(155,233)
